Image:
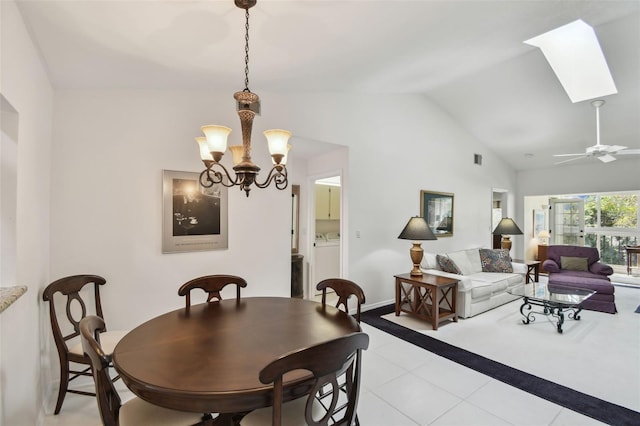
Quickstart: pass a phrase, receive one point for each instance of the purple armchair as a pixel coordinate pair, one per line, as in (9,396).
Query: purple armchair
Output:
(575,266)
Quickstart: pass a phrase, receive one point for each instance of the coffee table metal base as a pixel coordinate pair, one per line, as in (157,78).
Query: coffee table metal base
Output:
(549,308)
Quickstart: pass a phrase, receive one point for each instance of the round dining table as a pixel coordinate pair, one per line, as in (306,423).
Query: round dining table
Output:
(206,358)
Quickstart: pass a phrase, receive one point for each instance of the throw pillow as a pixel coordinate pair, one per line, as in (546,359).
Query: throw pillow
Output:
(574,263)
(448,265)
(495,260)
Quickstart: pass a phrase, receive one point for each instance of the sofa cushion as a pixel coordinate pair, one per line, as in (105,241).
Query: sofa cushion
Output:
(495,260)
(602,286)
(429,261)
(468,261)
(485,284)
(570,263)
(447,264)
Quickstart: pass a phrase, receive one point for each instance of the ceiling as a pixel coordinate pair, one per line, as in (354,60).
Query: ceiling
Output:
(466,56)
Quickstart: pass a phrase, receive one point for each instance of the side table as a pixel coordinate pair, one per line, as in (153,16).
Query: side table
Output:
(533,270)
(631,250)
(428,297)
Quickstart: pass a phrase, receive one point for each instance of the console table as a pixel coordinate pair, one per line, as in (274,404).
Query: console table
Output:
(428,297)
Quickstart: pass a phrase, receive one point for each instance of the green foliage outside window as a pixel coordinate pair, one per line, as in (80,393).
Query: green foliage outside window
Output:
(616,211)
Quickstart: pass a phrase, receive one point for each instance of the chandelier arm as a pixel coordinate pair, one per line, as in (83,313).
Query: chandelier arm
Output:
(210,177)
(278,175)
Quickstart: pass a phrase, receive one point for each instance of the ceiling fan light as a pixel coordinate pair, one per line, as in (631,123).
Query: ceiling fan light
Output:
(606,158)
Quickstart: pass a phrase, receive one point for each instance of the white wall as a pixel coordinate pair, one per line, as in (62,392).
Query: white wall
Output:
(110,150)
(106,206)
(24,84)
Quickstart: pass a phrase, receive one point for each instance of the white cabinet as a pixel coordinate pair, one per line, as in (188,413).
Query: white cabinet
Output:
(327,202)
(326,261)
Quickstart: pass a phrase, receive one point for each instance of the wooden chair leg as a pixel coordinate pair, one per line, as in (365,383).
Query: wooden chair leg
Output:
(64,384)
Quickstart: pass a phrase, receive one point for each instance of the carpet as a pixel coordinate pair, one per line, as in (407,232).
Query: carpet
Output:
(581,402)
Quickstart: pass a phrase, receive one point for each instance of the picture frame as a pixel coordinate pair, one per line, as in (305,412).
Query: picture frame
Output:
(539,222)
(437,209)
(194,218)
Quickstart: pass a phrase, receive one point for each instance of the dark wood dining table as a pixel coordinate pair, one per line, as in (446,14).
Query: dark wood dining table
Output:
(206,358)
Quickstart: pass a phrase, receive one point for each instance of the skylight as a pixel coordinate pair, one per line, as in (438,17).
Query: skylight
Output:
(576,58)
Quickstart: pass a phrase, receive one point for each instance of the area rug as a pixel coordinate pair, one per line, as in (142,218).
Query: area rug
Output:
(568,397)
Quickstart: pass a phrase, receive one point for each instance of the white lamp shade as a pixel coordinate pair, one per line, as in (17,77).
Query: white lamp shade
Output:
(216,137)
(278,141)
(284,159)
(204,149)
(237,151)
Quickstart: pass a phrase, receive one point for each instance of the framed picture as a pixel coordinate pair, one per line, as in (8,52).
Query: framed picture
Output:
(539,222)
(437,209)
(193,218)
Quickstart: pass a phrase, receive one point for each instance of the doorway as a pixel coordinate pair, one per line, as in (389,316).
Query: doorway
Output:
(566,221)
(326,256)
(499,203)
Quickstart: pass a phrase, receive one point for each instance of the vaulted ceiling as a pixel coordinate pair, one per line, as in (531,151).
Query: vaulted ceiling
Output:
(466,56)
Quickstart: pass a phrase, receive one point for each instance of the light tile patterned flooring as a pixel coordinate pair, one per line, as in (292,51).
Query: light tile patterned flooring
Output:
(403,385)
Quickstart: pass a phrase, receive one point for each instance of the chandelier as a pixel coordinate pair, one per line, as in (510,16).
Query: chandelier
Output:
(214,144)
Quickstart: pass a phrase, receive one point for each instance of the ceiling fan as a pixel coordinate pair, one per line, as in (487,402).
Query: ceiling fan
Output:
(603,153)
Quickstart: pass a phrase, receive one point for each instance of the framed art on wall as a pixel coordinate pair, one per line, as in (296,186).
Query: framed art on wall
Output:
(437,209)
(193,218)
(538,222)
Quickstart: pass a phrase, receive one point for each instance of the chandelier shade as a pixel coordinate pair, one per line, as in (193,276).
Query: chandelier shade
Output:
(213,146)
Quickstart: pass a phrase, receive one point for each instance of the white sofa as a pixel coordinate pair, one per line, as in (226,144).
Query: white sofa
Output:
(478,291)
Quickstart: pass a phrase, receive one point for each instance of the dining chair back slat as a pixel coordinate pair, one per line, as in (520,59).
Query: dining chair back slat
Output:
(344,290)
(212,285)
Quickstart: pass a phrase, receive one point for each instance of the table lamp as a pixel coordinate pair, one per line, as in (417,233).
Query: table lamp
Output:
(543,237)
(417,230)
(506,227)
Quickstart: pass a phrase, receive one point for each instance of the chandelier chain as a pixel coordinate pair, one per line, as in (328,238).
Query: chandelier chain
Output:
(246,51)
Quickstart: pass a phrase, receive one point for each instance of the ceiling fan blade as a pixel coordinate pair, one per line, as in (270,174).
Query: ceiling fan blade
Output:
(572,159)
(606,158)
(613,148)
(568,155)
(629,151)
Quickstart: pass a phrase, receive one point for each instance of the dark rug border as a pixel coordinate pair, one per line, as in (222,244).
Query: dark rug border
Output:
(582,403)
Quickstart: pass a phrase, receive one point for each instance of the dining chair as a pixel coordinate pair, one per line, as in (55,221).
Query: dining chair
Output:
(212,284)
(344,289)
(73,363)
(327,362)
(134,412)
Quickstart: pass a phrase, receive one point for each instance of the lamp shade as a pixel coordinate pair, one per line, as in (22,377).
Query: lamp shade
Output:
(216,137)
(417,229)
(507,227)
(278,141)
(204,149)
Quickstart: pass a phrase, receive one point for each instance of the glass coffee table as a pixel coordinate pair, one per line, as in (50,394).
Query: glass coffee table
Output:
(555,300)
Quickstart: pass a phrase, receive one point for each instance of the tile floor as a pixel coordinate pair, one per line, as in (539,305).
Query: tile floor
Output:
(403,385)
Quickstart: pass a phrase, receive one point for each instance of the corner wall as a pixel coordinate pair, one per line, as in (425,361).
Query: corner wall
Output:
(23,327)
